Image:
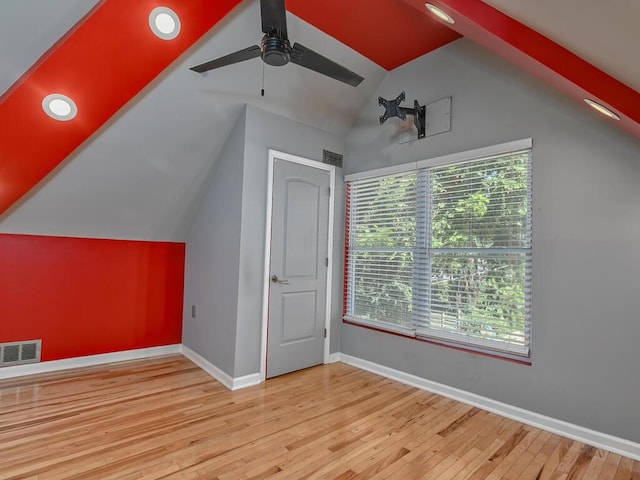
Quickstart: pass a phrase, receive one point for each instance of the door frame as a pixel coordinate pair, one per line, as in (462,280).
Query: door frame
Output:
(273,154)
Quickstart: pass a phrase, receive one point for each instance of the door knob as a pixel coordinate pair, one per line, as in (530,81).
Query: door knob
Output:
(275,279)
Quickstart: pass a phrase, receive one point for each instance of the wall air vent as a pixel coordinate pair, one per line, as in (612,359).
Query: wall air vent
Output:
(19,353)
(332,158)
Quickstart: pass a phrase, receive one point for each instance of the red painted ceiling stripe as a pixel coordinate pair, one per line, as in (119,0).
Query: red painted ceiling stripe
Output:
(540,56)
(387,32)
(108,58)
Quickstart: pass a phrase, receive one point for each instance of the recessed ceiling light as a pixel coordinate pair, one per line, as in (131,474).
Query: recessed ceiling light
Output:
(59,107)
(165,23)
(438,12)
(602,109)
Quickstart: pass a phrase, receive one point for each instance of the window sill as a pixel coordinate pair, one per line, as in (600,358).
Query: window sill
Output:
(380,326)
(434,341)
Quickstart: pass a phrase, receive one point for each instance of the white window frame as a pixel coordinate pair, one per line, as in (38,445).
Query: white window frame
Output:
(450,338)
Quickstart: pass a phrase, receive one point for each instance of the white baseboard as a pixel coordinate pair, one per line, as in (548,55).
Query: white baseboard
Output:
(334,357)
(246,381)
(221,376)
(88,361)
(591,437)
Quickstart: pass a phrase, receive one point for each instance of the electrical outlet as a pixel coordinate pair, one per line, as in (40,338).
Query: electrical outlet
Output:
(193,311)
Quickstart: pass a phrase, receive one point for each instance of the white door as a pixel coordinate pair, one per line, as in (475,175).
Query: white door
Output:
(298,267)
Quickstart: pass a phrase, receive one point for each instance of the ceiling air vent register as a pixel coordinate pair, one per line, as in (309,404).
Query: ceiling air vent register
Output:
(332,158)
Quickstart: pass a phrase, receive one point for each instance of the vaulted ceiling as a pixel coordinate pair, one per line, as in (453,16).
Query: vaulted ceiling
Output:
(147,124)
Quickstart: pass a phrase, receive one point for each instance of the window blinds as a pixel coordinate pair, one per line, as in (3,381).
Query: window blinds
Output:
(381,247)
(445,252)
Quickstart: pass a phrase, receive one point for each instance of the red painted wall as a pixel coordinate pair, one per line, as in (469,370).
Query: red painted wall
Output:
(90,296)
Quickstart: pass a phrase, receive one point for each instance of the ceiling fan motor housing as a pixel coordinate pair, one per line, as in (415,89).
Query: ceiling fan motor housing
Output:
(276,51)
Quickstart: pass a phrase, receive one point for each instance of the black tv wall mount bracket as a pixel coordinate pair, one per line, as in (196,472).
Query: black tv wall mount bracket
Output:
(393,109)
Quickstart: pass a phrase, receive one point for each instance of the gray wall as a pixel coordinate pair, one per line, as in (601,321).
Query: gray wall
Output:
(265,131)
(586,233)
(225,248)
(213,253)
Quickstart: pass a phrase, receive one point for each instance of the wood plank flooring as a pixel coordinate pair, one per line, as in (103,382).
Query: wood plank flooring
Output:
(166,419)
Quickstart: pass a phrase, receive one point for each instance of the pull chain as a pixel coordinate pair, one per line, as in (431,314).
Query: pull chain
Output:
(262,91)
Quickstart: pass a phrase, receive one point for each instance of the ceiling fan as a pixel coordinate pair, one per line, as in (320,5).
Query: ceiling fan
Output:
(276,50)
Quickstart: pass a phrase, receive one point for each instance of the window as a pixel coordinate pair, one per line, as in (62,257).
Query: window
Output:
(444,252)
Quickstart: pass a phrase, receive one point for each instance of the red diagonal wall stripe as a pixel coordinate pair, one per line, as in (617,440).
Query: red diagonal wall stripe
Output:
(387,32)
(102,63)
(540,56)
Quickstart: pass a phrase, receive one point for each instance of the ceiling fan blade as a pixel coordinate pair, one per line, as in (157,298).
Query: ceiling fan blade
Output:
(307,58)
(274,16)
(241,56)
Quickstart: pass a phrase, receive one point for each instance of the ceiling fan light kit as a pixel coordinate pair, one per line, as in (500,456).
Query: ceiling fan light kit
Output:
(276,50)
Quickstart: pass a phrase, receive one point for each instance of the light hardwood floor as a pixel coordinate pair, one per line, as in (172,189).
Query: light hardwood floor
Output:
(167,419)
